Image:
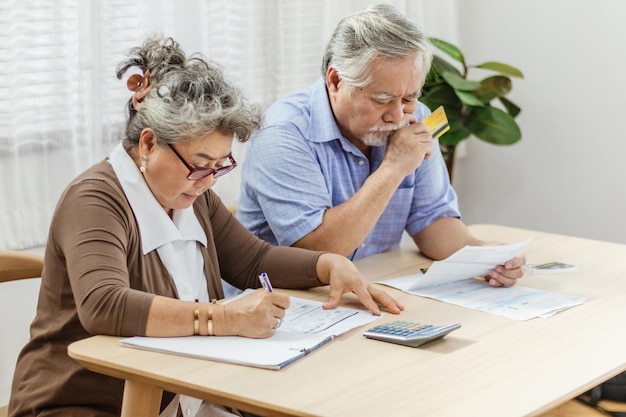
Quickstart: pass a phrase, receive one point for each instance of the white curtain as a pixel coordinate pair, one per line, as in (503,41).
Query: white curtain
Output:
(62,108)
(60,103)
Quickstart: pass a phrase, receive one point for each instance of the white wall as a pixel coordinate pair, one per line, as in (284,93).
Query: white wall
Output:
(567,173)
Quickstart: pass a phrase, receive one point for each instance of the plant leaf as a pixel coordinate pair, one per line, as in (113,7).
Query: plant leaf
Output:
(492,125)
(493,87)
(444,95)
(456,134)
(440,65)
(468,98)
(449,49)
(441,95)
(457,131)
(503,69)
(459,83)
(510,107)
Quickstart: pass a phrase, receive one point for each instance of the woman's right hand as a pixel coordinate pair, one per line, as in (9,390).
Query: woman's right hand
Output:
(255,315)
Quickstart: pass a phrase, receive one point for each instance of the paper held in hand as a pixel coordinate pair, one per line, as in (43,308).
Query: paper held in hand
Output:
(468,262)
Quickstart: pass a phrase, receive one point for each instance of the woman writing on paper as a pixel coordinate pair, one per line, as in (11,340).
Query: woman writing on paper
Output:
(139,243)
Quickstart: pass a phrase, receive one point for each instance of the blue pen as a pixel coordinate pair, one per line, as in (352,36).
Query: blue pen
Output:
(265,282)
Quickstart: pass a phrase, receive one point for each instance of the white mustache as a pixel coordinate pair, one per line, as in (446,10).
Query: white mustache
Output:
(390,127)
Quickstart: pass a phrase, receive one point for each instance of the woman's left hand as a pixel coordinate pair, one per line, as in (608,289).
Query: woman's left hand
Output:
(343,277)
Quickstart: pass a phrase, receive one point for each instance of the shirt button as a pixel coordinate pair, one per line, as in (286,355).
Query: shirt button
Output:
(362,245)
(361,162)
(188,411)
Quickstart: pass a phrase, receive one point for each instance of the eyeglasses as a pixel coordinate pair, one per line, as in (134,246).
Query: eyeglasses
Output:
(196,173)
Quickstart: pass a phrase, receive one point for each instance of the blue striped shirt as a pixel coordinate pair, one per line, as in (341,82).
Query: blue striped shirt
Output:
(299,165)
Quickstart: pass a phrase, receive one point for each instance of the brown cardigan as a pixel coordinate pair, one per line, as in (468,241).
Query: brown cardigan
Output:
(97,281)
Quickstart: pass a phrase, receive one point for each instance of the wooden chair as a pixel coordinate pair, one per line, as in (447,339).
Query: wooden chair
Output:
(232,209)
(16,265)
(573,408)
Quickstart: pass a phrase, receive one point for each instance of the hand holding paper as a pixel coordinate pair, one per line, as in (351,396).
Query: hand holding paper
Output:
(469,262)
(451,281)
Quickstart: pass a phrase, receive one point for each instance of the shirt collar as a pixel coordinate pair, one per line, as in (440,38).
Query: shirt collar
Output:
(322,126)
(155,227)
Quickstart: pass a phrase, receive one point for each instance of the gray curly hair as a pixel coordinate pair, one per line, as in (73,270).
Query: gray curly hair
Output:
(189,96)
(379,31)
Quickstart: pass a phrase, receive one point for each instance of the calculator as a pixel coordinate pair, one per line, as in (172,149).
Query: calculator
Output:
(409,333)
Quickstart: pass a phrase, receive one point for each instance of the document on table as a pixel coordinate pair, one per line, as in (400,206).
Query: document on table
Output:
(453,281)
(305,327)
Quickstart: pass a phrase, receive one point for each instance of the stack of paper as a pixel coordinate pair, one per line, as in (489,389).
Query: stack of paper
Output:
(305,327)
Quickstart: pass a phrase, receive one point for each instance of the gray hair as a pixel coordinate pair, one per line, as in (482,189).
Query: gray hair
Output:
(189,97)
(379,31)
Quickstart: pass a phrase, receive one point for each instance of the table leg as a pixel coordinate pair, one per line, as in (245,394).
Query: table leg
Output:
(141,400)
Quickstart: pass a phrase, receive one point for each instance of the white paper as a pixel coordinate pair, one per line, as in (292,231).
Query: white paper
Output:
(271,353)
(517,302)
(306,326)
(469,262)
(452,281)
(307,316)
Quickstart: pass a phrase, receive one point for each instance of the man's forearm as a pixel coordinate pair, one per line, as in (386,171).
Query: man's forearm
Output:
(344,227)
(443,237)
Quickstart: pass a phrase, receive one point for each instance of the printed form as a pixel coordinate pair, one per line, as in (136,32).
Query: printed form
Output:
(453,281)
(305,327)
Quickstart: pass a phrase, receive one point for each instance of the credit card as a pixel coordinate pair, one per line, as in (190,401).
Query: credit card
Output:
(437,122)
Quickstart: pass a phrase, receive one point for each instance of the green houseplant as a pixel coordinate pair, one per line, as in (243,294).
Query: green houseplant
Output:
(468,104)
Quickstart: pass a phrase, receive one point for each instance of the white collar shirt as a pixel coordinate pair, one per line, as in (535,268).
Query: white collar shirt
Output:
(176,239)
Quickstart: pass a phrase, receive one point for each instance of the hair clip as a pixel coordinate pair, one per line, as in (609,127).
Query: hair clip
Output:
(140,84)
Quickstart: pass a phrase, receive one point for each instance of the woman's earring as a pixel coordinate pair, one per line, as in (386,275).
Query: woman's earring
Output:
(142,168)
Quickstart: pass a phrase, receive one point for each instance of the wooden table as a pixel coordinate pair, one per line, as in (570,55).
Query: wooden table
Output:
(491,366)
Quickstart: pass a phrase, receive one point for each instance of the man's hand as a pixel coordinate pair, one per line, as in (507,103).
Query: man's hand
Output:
(507,275)
(408,147)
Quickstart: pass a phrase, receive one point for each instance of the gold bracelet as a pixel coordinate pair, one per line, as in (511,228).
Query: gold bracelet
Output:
(196,319)
(209,322)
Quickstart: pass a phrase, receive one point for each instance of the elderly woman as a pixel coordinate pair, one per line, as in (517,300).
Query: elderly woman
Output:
(139,243)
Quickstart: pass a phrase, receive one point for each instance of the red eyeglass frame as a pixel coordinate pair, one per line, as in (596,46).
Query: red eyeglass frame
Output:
(196,173)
